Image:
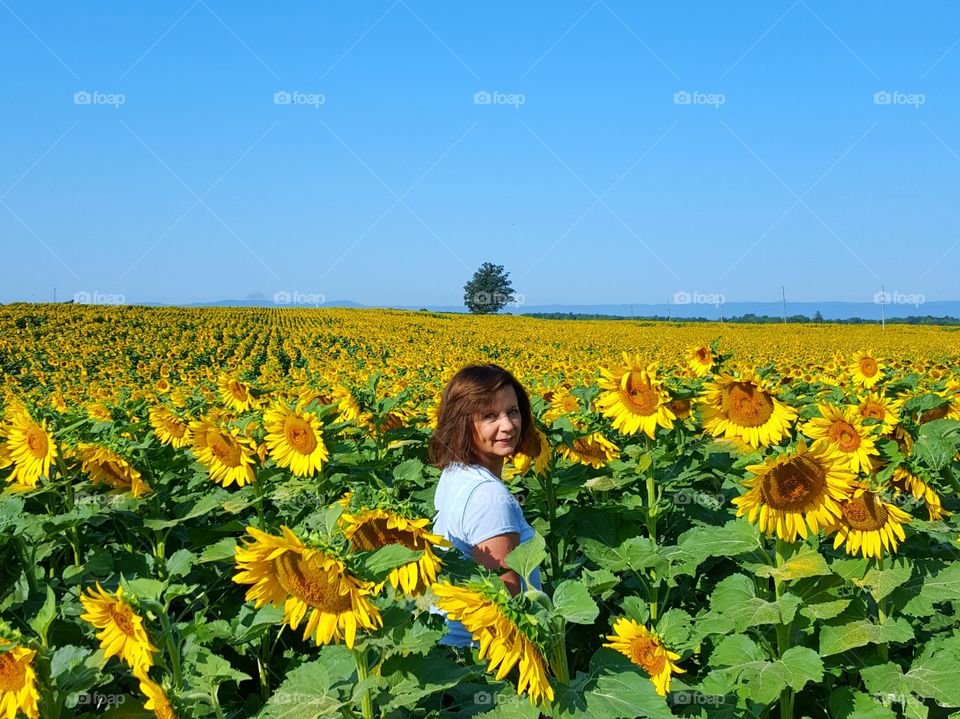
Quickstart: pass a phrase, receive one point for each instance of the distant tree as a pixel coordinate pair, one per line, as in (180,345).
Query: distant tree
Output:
(818,317)
(488,291)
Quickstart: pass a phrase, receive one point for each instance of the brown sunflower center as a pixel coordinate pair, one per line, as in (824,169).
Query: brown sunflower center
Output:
(569,404)
(935,413)
(37,442)
(868,366)
(703,356)
(299,434)
(225,449)
(865,513)
(644,651)
(748,405)
(791,486)
(679,407)
(845,435)
(374,533)
(588,449)
(302,581)
(122,617)
(872,410)
(12,673)
(639,397)
(238,391)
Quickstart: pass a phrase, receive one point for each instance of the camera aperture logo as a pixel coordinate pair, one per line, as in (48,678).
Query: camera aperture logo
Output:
(295,97)
(485,97)
(899,298)
(87,97)
(686,97)
(298,298)
(895,97)
(684,297)
(499,299)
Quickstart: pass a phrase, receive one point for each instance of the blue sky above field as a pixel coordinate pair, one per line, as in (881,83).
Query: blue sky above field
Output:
(603,152)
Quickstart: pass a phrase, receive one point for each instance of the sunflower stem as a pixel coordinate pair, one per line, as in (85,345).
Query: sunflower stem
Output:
(654,601)
(366,702)
(550,493)
(73,534)
(883,648)
(258,494)
(172,649)
(783,632)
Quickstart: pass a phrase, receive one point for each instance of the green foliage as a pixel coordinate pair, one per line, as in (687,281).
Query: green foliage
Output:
(488,291)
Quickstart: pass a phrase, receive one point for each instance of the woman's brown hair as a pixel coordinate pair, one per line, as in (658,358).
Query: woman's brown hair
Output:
(467,395)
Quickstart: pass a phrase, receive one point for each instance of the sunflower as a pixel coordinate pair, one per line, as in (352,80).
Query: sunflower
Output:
(284,571)
(562,403)
(236,394)
(646,650)
(842,429)
(157,700)
(294,440)
(593,449)
(744,407)
(950,409)
(868,525)
(904,480)
(680,407)
(99,411)
(521,462)
(865,369)
(104,466)
(29,446)
(700,360)
(796,490)
(228,456)
(346,404)
(121,629)
(634,398)
(370,529)
(18,682)
(502,642)
(170,429)
(873,405)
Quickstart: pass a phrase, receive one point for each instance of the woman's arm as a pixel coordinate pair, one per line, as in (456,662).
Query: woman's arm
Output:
(492,554)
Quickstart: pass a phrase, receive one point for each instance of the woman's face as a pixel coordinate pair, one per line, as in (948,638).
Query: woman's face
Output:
(496,430)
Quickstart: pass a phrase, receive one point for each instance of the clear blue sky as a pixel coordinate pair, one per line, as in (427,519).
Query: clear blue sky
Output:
(783,169)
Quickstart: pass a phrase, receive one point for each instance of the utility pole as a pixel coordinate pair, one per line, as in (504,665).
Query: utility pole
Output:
(54,295)
(783,298)
(883,300)
(669,316)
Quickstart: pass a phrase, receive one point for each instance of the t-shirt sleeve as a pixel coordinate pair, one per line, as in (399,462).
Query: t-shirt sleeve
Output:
(490,510)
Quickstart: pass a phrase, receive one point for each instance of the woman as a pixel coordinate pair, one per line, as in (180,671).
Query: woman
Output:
(484,417)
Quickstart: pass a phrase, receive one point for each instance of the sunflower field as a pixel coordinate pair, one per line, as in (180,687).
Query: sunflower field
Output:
(226,512)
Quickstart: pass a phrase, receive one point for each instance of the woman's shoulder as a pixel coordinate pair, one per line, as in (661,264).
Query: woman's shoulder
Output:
(458,470)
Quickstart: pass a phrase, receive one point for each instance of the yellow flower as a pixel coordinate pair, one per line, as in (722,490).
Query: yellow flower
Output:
(501,641)
(906,481)
(634,399)
(285,572)
(868,525)
(228,456)
(169,428)
(865,369)
(700,359)
(122,632)
(157,700)
(521,462)
(347,406)
(744,407)
(371,529)
(236,394)
(295,440)
(29,447)
(593,449)
(842,430)
(646,650)
(873,405)
(796,490)
(18,683)
(105,466)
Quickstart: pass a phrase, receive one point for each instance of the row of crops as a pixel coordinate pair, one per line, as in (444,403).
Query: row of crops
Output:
(226,513)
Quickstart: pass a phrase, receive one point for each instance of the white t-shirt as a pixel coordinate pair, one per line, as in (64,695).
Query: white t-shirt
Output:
(472,506)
